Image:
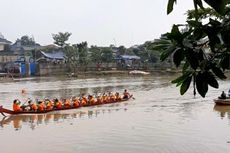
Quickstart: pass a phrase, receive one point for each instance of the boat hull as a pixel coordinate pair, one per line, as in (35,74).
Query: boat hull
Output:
(222,101)
(7,111)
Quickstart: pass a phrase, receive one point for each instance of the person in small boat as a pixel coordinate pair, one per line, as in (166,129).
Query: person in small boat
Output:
(223,95)
(16,105)
(126,94)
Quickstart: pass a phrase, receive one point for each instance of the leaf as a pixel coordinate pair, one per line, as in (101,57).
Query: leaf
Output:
(180,79)
(170,6)
(178,56)
(225,62)
(201,84)
(186,66)
(218,5)
(211,80)
(185,85)
(199,3)
(175,34)
(191,56)
(165,54)
(218,72)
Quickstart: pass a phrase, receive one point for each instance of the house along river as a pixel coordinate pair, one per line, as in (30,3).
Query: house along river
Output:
(159,120)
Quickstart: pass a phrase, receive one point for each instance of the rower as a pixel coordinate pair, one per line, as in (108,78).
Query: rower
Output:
(84,100)
(57,103)
(41,106)
(126,94)
(76,102)
(92,100)
(16,105)
(67,103)
(49,104)
(118,97)
(26,105)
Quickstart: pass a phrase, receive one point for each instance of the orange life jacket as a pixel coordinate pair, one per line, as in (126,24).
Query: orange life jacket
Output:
(16,107)
(41,107)
(83,102)
(76,103)
(92,101)
(99,100)
(49,106)
(59,104)
(34,107)
(67,104)
(112,98)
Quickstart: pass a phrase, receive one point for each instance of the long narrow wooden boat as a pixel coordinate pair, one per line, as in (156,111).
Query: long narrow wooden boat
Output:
(222,101)
(8,111)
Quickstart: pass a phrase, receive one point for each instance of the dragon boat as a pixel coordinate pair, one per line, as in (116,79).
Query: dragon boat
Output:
(4,111)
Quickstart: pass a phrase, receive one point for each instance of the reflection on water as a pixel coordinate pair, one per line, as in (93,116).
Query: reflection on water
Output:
(34,120)
(223,110)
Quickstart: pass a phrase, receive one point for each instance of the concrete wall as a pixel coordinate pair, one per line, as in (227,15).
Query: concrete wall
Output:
(45,69)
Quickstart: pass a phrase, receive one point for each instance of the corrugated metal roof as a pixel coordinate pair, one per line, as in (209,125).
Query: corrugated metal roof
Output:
(56,55)
(4,41)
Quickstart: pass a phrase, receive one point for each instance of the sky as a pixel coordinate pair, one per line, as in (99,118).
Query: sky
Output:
(99,22)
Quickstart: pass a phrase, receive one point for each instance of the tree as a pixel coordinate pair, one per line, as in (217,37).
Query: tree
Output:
(27,41)
(83,54)
(121,50)
(106,55)
(191,45)
(95,55)
(71,53)
(61,38)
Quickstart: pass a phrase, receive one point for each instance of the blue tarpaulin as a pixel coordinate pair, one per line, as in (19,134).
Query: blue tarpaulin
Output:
(128,57)
(32,68)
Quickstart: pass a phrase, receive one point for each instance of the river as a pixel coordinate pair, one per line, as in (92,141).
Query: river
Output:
(158,120)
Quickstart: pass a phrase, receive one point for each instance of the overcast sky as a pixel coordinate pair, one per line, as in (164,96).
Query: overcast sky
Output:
(99,22)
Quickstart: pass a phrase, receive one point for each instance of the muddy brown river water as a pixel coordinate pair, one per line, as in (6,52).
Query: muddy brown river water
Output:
(159,120)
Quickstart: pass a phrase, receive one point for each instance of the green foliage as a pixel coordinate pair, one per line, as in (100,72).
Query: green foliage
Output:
(203,47)
(83,53)
(170,6)
(95,55)
(71,53)
(27,41)
(61,38)
(106,55)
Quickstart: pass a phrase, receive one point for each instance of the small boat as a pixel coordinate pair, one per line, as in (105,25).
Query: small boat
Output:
(11,112)
(138,72)
(219,101)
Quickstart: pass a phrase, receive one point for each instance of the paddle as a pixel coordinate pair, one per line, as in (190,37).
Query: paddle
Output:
(131,96)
